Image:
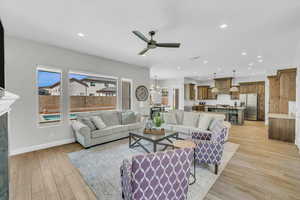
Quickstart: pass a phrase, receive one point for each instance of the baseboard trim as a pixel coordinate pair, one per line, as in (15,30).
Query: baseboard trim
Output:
(41,146)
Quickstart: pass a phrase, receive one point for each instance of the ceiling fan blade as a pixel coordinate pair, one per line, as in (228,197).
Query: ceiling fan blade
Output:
(140,35)
(144,51)
(170,45)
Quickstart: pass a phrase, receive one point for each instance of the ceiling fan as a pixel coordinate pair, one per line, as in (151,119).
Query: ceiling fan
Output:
(152,44)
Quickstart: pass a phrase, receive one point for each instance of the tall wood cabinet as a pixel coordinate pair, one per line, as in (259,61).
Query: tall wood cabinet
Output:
(282,90)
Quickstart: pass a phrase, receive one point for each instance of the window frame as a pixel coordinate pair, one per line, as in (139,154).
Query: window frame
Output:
(55,70)
(90,74)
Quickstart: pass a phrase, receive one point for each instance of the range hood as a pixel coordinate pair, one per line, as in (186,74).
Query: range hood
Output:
(223,85)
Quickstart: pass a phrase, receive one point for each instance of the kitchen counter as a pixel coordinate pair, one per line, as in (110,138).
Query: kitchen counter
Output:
(281,116)
(226,107)
(234,114)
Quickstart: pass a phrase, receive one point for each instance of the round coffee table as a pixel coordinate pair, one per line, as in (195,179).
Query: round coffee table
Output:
(181,144)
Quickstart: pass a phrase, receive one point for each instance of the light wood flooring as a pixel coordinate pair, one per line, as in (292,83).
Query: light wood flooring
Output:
(261,169)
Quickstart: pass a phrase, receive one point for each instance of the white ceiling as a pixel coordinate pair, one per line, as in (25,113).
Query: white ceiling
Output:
(269,28)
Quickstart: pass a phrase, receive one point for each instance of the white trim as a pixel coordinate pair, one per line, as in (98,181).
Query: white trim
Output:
(91,74)
(41,146)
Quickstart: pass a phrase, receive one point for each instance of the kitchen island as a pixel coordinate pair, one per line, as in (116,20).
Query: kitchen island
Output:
(234,114)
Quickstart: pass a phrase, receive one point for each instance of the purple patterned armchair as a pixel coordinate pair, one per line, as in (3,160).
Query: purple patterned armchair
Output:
(157,176)
(210,146)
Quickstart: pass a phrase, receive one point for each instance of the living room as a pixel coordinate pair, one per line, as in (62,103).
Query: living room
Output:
(109,100)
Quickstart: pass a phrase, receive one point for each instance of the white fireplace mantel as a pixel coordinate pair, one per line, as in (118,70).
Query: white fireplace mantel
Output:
(6,101)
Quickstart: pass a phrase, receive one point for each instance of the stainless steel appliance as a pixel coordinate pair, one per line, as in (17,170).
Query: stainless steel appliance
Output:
(250,102)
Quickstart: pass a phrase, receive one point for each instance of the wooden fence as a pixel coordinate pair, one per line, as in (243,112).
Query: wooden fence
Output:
(51,104)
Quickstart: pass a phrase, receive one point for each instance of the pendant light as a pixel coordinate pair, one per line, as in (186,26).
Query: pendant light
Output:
(215,90)
(234,88)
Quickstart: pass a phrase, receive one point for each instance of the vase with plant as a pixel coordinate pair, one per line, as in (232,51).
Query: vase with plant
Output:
(158,120)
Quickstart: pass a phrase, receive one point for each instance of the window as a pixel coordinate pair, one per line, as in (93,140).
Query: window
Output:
(49,95)
(91,92)
(92,84)
(126,94)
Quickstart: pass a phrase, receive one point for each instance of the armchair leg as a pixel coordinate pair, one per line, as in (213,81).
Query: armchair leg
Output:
(216,168)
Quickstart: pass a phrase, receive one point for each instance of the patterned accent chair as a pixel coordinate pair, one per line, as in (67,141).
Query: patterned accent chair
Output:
(157,176)
(210,146)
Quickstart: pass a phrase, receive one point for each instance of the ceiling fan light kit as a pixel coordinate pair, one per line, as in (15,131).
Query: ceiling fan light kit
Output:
(152,44)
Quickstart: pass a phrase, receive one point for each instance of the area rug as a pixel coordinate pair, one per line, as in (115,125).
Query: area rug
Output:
(100,168)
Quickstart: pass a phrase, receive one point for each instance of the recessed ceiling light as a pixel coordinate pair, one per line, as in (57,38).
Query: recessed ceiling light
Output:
(81,34)
(205,62)
(195,57)
(251,64)
(223,26)
(244,53)
(178,67)
(261,60)
(259,57)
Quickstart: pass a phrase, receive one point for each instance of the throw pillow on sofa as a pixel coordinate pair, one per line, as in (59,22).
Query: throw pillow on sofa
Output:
(98,122)
(204,121)
(128,117)
(87,121)
(170,118)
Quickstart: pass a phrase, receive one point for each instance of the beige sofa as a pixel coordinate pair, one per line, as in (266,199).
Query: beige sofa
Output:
(188,122)
(117,126)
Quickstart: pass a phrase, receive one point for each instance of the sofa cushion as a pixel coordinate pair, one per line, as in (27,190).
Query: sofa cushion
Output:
(98,122)
(101,133)
(170,118)
(128,117)
(109,130)
(190,119)
(110,118)
(88,122)
(181,128)
(204,121)
(135,126)
(179,116)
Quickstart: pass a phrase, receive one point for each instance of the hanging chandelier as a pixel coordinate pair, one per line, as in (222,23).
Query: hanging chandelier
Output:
(215,90)
(234,88)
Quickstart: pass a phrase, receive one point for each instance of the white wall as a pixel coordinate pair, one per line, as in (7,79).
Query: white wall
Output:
(22,58)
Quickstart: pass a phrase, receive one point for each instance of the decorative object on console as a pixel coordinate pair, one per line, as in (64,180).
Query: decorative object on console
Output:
(141,93)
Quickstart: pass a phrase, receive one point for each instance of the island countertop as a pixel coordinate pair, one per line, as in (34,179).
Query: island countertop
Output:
(281,116)
(226,107)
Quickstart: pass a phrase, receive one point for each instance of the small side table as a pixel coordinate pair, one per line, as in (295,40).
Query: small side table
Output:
(180,144)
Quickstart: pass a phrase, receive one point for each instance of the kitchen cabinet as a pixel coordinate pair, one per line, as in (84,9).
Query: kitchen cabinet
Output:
(192,91)
(210,94)
(282,90)
(281,127)
(223,85)
(202,92)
